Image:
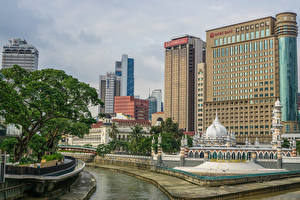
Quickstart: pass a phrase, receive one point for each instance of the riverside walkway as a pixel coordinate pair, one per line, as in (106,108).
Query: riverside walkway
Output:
(176,188)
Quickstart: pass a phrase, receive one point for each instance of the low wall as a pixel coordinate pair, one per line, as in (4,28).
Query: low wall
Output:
(147,163)
(86,157)
(270,164)
(22,170)
(141,162)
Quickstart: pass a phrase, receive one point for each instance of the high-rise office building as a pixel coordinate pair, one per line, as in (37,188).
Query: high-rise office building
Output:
(157,93)
(200,97)
(249,66)
(109,87)
(125,69)
(18,52)
(129,105)
(152,106)
(182,54)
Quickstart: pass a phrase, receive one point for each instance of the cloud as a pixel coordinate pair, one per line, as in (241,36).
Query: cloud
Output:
(85,38)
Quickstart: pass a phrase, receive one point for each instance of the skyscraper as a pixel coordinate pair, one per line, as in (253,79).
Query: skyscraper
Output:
(109,87)
(152,106)
(18,52)
(249,66)
(157,93)
(182,54)
(125,69)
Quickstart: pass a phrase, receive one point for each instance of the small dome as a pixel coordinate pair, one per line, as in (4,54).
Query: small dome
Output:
(216,130)
(277,103)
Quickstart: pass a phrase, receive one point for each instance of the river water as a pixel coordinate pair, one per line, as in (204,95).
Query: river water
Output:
(113,185)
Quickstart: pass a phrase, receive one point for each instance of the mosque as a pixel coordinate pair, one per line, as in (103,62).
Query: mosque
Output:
(218,144)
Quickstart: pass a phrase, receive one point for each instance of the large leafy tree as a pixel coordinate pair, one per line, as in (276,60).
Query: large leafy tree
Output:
(41,98)
(171,135)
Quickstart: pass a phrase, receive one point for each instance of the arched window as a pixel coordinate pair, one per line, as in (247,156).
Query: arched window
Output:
(220,155)
(228,156)
(209,155)
(260,155)
(249,156)
(275,155)
(215,156)
(191,155)
(288,154)
(266,156)
(271,155)
(244,156)
(233,156)
(201,154)
(239,157)
(197,154)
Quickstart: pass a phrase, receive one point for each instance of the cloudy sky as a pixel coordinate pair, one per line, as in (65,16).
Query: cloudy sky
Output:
(85,38)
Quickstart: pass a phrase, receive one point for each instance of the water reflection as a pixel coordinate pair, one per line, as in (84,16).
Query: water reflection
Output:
(113,185)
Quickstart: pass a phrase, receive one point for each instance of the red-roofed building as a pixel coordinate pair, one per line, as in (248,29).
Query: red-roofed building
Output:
(97,125)
(99,132)
(128,122)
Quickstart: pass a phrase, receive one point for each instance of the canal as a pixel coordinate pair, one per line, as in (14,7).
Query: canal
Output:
(113,185)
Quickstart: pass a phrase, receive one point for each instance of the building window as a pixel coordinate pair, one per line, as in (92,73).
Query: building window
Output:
(233,39)
(252,35)
(266,44)
(262,33)
(216,42)
(271,44)
(243,37)
(237,38)
(256,34)
(247,36)
(267,32)
(260,45)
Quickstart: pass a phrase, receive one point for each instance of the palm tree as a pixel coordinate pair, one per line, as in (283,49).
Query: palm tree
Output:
(113,132)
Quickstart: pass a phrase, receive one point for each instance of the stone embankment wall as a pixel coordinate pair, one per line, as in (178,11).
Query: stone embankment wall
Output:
(141,162)
(86,157)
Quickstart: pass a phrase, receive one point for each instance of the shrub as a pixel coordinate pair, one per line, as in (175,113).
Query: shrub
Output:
(55,156)
(26,160)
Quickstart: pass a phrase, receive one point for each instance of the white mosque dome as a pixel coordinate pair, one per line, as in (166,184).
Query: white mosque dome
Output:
(216,130)
(277,103)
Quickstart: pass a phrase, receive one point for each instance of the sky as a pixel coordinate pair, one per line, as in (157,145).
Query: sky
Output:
(85,38)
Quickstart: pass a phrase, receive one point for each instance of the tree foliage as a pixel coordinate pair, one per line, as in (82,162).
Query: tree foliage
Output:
(171,135)
(286,143)
(113,132)
(40,100)
(38,146)
(8,145)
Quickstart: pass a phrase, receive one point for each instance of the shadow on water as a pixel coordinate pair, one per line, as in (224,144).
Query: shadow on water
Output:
(292,194)
(113,185)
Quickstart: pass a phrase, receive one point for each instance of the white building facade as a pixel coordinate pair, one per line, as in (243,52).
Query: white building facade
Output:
(18,52)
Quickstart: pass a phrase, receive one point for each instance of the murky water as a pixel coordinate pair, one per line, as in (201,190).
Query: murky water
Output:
(293,194)
(113,185)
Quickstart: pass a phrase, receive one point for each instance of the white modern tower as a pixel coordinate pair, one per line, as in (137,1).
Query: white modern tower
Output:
(18,52)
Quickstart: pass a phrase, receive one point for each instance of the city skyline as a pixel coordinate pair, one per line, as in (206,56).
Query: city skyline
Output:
(86,39)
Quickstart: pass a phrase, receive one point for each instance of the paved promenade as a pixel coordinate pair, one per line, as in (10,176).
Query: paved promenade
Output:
(177,188)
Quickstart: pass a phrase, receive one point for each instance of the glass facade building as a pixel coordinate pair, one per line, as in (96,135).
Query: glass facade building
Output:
(130,77)
(286,29)
(125,70)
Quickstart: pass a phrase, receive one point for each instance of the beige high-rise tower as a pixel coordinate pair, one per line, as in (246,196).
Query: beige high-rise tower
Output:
(249,66)
(182,54)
